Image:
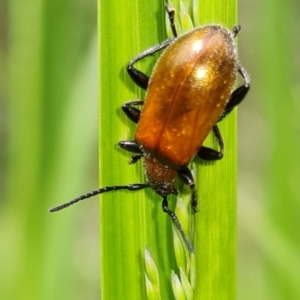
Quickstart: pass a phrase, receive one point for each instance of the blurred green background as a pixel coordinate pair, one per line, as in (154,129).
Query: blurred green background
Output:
(49,149)
(48,136)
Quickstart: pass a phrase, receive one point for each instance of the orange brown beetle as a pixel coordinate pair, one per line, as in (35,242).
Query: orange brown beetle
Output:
(188,93)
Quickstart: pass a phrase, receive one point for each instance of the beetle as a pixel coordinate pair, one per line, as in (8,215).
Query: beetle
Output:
(187,94)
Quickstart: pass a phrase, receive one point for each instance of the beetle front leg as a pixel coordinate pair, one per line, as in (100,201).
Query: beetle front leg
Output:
(186,177)
(131,146)
(131,112)
(238,95)
(211,154)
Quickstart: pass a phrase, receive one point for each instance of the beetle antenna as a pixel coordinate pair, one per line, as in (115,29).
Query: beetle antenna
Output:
(129,187)
(194,199)
(176,224)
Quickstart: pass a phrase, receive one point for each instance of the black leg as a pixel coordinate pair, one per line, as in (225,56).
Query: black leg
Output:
(187,178)
(139,77)
(131,146)
(236,30)
(171,13)
(135,158)
(211,154)
(131,112)
(129,187)
(176,223)
(238,95)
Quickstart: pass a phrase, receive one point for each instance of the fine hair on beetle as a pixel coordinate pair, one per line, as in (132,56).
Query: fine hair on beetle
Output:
(189,92)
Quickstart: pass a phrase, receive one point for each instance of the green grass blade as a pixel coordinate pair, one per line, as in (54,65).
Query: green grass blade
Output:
(129,221)
(215,241)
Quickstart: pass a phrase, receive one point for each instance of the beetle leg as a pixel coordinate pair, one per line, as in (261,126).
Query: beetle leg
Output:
(134,115)
(171,13)
(211,154)
(139,77)
(186,177)
(176,223)
(129,187)
(131,146)
(238,95)
(236,30)
(135,158)
(131,112)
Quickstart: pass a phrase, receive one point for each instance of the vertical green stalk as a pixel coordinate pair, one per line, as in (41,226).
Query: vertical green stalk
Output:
(130,221)
(215,241)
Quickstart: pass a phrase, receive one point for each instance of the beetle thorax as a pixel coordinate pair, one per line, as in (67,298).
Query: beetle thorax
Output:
(160,177)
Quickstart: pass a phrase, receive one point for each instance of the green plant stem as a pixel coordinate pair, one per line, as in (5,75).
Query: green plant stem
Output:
(215,241)
(129,221)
